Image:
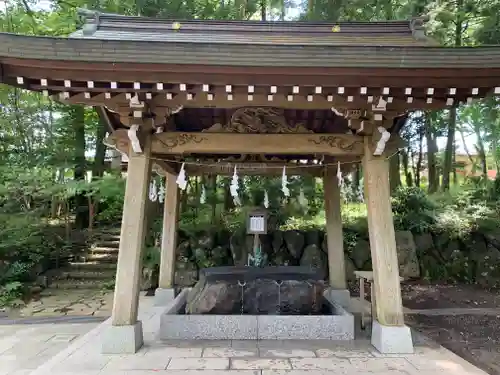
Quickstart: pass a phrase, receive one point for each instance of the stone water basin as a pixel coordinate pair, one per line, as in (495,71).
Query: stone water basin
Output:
(256,303)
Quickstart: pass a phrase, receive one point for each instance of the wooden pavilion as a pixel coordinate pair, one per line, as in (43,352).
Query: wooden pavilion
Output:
(252,94)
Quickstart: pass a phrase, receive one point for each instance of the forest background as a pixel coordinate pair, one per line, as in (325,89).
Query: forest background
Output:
(57,183)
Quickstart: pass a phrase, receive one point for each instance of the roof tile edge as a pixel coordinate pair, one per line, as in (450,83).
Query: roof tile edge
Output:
(91,20)
(417,27)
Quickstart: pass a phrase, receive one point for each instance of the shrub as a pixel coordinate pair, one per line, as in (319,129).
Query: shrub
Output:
(413,210)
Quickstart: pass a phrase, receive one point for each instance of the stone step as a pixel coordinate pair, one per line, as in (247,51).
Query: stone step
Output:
(91,266)
(77,284)
(105,236)
(112,230)
(102,258)
(88,274)
(103,250)
(111,244)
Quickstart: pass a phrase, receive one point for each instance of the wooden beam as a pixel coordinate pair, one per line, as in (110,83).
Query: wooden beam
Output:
(166,166)
(123,146)
(240,98)
(236,143)
(175,143)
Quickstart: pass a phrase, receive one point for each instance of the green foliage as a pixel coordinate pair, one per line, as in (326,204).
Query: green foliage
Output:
(10,293)
(413,210)
(151,257)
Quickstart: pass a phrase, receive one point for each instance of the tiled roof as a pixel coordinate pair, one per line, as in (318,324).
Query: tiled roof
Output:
(104,26)
(124,51)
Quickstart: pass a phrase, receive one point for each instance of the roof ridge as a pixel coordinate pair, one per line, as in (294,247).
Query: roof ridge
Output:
(88,14)
(111,24)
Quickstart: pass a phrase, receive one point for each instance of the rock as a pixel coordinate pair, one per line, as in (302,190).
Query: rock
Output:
(459,267)
(277,241)
(294,242)
(315,259)
(218,291)
(240,246)
(450,251)
(324,244)
(183,249)
(423,242)
(272,222)
(220,256)
(361,253)
(283,258)
(493,237)
(149,278)
(475,245)
(42,280)
(487,270)
(186,274)
(349,269)
(201,257)
(223,237)
(407,255)
(205,241)
(266,243)
(214,298)
(313,237)
(441,242)
(35,289)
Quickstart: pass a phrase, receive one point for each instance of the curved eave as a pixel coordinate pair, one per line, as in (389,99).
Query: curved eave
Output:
(300,56)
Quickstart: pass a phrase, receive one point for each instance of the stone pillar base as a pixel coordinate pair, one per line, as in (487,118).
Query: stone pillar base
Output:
(122,339)
(341,296)
(391,340)
(164,296)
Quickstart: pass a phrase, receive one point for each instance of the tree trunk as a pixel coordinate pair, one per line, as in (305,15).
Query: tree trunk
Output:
(481,151)
(310,9)
(420,157)
(406,168)
(356,176)
(213,197)
(228,199)
(454,165)
(452,122)
(81,206)
(394,173)
(431,156)
(263,10)
(448,152)
(100,151)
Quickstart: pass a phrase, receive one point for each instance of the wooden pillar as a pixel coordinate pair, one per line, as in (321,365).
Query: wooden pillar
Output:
(169,235)
(335,239)
(389,307)
(132,236)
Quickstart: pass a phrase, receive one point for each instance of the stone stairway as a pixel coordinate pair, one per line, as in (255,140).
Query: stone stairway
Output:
(96,268)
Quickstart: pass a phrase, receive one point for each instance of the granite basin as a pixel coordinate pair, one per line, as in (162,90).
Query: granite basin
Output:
(336,324)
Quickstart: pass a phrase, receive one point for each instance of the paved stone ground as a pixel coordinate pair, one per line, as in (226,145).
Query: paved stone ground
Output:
(62,302)
(25,347)
(240,357)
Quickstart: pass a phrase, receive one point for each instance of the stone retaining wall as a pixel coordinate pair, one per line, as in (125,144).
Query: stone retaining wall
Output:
(429,255)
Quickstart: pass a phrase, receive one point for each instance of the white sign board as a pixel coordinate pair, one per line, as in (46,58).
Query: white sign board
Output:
(257,224)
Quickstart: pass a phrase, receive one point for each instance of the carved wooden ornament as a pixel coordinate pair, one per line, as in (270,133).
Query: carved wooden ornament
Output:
(258,120)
